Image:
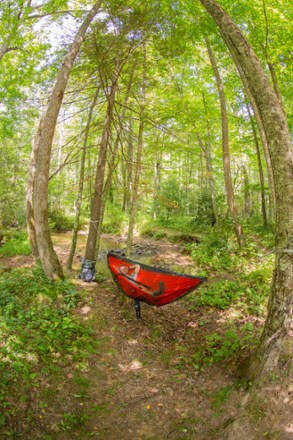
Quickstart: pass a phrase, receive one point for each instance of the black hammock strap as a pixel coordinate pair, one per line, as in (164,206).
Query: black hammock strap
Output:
(137,308)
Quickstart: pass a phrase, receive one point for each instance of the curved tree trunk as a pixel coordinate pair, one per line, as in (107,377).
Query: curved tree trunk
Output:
(43,145)
(226,150)
(280,308)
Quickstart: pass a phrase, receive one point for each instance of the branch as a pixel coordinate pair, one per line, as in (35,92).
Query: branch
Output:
(9,49)
(70,12)
(267,24)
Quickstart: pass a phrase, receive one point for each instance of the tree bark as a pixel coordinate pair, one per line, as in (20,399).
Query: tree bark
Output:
(81,182)
(226,150)
(278,324)
(43,145)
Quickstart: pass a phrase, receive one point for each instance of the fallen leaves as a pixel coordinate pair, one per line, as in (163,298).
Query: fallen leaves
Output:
(133,366)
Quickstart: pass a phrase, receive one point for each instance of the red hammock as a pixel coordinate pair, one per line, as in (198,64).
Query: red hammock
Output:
(149,284)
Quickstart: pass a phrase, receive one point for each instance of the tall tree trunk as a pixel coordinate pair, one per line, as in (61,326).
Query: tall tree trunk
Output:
(247,196)
(128,170)
(157,182)
(88,266)
(278,324)
(209,164)
(210,172)
(81,182)
(43,145)
(261,133)
(30,219)
(260,170)
(226,151)
(113,155)
(135,186)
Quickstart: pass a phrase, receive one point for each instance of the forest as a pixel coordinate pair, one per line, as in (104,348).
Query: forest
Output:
(160,131)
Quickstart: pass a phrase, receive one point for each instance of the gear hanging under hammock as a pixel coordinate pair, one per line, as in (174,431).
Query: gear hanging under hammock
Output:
(149,284)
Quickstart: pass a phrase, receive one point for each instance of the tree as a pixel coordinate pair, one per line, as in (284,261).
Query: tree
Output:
(137,168)
(87,270)
(226,151)
(280,307)
(38,204)
(81,182)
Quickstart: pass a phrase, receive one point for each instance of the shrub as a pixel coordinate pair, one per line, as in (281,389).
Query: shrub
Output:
(215,248)
(60,222)
(114,220)
(17,244)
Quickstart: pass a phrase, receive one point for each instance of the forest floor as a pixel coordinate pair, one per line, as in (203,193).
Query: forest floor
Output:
(145,379)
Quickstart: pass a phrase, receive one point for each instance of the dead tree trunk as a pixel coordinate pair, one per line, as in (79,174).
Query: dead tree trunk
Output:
(278,324)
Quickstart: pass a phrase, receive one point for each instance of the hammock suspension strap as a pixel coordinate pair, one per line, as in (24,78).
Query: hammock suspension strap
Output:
(137,308)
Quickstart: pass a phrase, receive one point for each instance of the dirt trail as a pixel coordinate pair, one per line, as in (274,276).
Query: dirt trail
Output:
(143,385)
(139,383)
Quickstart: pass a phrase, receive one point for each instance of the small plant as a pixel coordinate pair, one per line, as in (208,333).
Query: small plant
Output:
(222,395)
(60,222)
(73,420)
(17,244)
(220,347)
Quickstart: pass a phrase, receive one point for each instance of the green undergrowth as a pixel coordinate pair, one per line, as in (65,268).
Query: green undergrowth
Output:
(248,293)
(218,249)
(238,277)
(222,345)
(16,243)
(40,334)
(236,294)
